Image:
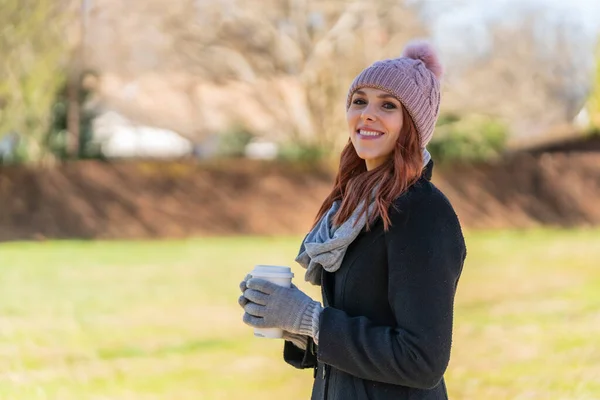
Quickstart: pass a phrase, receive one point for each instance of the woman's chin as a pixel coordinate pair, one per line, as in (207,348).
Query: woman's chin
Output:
(368,156)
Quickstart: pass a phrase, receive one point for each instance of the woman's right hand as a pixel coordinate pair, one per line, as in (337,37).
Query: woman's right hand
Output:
(299,341)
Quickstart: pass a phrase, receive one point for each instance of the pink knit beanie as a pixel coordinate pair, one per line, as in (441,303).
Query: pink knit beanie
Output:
(414,79)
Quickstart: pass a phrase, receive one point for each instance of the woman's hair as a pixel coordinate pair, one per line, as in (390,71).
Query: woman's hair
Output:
(354,184)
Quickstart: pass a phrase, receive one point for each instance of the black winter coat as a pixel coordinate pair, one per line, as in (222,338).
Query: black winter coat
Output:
(386,329)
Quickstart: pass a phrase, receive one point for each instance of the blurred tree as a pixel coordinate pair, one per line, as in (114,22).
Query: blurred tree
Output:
(535,74)
(280,67)
(59,138)
(593,106)
(307,52)
(33,50)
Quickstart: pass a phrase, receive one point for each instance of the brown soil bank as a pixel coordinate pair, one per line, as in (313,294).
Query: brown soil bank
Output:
(142,199)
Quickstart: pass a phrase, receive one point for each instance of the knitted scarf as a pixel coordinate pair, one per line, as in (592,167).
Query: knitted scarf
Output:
(325,245)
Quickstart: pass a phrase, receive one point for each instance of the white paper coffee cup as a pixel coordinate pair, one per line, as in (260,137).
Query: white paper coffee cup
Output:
(281,276)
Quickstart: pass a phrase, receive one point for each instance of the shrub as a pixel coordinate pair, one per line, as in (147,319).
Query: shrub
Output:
(469,138)
(232,144)
(303,152)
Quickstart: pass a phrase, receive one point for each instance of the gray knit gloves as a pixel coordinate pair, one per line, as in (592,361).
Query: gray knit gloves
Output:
(268,305)
(300,341)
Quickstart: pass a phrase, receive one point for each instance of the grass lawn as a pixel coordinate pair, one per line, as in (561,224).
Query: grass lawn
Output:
(160,320)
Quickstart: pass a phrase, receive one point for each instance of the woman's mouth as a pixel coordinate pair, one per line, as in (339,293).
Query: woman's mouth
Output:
(368,134)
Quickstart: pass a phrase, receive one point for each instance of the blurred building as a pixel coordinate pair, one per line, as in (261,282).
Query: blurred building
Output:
(118,137)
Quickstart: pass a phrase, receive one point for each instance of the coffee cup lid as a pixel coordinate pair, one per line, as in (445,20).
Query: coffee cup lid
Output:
(268,270)
(272,269)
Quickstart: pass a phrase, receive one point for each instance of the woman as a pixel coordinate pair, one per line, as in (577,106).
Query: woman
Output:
(387,250)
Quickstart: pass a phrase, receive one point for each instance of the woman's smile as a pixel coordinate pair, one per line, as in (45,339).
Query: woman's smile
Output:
(369,134)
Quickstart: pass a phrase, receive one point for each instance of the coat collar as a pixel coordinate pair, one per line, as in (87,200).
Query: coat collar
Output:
(428,171)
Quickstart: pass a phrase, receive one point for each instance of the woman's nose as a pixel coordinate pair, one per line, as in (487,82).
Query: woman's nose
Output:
(368,114)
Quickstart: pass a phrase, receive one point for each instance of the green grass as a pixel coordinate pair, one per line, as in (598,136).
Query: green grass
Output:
(159,320)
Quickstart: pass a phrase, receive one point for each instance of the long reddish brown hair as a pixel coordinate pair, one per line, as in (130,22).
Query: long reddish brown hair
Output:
(354,184)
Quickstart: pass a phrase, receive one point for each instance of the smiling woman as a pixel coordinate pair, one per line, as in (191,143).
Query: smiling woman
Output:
(386,248)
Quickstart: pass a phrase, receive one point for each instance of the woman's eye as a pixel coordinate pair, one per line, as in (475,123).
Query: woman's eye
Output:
(389,106)
(359,101)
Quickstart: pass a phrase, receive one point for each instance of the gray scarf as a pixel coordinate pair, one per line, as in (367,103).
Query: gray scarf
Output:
(325,245)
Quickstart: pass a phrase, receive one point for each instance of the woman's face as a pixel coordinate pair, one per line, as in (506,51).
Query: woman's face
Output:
(374,121)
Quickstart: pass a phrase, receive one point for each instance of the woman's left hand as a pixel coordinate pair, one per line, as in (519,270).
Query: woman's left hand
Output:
(273,306)
(242,301)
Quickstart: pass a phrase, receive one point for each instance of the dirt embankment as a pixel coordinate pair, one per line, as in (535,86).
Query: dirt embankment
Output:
(558,187)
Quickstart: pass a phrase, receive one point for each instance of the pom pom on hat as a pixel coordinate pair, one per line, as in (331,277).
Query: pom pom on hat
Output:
(424,51)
